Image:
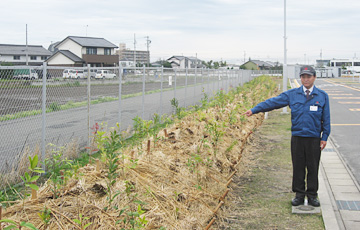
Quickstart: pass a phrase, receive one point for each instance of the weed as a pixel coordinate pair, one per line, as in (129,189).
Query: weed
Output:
(54,107)
(133,219)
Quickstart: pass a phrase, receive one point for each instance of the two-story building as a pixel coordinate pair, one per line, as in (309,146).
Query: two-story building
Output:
(81,51)
(21,54)
(183,62)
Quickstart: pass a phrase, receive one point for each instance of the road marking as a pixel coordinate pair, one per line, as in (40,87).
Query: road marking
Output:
(349,102)
(355,110)
(345,124)
(346,98)
(339,94)
(296,83)
(342,85)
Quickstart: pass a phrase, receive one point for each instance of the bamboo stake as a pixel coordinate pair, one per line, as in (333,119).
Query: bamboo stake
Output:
(227,184)
(148,146)
(33,193)
(97,165)
(211,222)
(0,216)
(166,134)
(224,195)
(219,205)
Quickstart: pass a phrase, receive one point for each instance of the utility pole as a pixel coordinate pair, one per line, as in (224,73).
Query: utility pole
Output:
(134,51)
(244,56)
(285,79)
(147,45)
(27,50)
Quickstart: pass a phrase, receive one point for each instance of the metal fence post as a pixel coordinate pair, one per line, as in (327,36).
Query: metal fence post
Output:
(43,125)
(120,99)
(186,78)
(194,100)
(88,108)
(143,94)
(175,84)
(161,88)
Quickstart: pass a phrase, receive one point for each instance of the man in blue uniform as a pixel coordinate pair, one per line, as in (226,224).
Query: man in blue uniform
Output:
(310,118)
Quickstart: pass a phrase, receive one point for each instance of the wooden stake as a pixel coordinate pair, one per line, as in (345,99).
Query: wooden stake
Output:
(165,131)
(227,184)
(148,147)
(219,205)
(224,195)
(97,165)
(232,174)
(211,222)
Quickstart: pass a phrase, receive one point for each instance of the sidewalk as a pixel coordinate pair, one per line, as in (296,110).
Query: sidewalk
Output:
(339,192)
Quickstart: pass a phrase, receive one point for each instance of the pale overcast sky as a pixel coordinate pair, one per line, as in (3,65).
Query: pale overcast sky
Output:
(212,29)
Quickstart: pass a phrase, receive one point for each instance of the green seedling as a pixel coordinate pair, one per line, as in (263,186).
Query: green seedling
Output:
(17,226)
(81,222)
(29,179)
(45,216)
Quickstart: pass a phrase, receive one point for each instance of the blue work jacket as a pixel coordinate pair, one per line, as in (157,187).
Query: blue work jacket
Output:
(309,118)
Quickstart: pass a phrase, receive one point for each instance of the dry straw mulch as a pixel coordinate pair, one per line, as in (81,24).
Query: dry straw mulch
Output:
(177,194)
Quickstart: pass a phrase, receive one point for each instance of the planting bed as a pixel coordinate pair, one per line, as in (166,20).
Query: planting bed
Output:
(177,178)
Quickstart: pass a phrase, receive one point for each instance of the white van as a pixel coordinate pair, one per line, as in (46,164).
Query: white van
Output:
(77,74)
(67,73)
(102,74)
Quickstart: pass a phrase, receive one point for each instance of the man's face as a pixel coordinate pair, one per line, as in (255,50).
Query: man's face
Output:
(307,80)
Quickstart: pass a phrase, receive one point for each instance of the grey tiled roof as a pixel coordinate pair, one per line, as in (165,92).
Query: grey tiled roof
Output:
(262,63)
(70,55)
(91,42)
(8,49)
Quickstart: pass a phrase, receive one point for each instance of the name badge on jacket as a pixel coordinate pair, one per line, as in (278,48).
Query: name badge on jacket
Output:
(313,108)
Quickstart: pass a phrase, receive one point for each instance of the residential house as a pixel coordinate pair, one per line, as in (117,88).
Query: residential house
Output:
(21,54)
(182,62)
(81,51)
(257,65)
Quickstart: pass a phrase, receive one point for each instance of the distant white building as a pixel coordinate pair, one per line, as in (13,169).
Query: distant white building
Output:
(349,64)
(16,54)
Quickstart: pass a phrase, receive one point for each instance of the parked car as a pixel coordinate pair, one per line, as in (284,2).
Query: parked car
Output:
(102,74)
(25,74)
(92,73)
(77,74)
(67,73)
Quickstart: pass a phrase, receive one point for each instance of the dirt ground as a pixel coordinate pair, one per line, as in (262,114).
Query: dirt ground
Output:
(25,98)
(261,194)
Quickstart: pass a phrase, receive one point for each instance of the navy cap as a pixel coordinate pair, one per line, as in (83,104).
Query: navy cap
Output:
(307,70)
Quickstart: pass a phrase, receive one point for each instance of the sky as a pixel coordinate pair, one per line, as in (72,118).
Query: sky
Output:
(227,30)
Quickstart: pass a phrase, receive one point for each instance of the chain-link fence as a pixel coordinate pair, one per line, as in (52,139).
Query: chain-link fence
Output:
(63,107)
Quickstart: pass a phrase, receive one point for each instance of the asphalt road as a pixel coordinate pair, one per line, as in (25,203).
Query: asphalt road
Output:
(344,98)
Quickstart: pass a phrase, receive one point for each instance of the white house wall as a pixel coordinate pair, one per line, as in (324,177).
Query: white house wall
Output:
(10,58)
(69,44)
(60,59)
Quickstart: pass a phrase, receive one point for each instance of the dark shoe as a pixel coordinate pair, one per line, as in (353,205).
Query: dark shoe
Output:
(297,201)
(313,201)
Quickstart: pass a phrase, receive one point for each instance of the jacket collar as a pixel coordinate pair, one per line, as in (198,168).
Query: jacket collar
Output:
(301,91)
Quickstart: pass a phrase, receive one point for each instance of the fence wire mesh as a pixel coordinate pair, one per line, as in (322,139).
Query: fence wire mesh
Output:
(61,109)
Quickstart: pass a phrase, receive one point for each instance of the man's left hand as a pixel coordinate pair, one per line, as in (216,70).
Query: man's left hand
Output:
(322,145)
